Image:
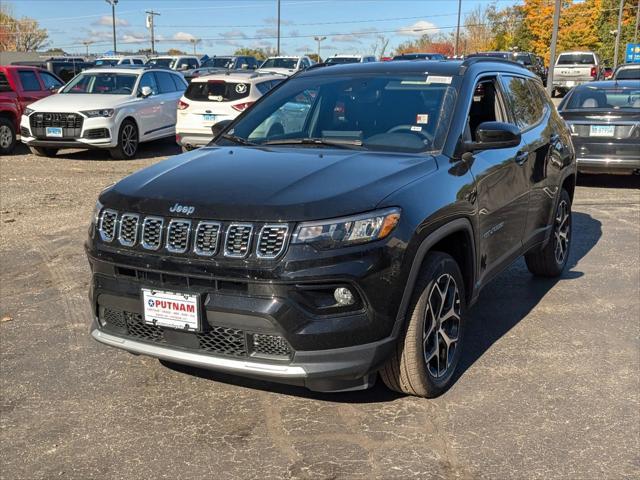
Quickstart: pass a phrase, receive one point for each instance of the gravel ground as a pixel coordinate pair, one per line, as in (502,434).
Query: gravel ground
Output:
(550,384)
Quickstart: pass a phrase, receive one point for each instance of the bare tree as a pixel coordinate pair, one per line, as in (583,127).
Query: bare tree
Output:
(379,47)
(22,35)
(478,35)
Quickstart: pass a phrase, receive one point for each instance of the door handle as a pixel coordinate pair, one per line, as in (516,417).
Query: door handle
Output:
(522,157)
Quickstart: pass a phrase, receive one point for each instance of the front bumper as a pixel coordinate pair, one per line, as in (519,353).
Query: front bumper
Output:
(103,126)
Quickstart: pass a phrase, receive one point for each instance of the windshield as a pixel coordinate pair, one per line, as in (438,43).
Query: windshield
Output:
(219,62)
(103,62)
(413,56)
(280,63)
(587,98)
(576,58)
(161,62)
(108,83)
(337,60)
(405,113)
(523,58)
(628,73)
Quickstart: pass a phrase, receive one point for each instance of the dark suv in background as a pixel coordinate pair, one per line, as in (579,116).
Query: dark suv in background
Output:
(530,61)
(340,227)
(221,64)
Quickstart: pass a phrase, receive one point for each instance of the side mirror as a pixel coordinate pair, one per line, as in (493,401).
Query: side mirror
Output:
(146,91)
(490,135)
(217,128)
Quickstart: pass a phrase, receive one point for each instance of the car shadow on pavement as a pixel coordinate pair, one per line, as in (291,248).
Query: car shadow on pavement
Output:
(491,318)
(510,297)
(609,181)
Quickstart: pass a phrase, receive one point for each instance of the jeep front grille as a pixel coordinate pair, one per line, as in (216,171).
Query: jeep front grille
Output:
(207,234)
(238,240)
(128,229)
(205,238)
(272,240)
(178,236)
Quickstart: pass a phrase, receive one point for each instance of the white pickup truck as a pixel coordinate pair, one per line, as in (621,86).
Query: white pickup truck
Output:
(575,68)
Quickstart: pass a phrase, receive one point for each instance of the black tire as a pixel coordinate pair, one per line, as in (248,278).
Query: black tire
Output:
(408,370)
(43,151)
(550,260)
(7,136)
(128,141)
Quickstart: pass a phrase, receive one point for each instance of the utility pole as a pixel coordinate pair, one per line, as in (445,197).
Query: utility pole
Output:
(278,45)
(618,34)
(113,4)
(86,43)
(319,39)
(554,41)
(194,41)
(455,50)
(151,26)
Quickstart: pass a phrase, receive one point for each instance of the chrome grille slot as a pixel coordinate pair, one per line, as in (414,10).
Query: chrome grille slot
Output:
(178,236)
(128,229)
(152,233)
(238,240)
(206,238)
(108,222)
(272,241)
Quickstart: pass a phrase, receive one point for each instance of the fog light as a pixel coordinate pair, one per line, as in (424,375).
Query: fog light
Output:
(343,296)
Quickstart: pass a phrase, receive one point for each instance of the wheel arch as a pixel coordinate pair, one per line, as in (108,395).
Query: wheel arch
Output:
(455,238)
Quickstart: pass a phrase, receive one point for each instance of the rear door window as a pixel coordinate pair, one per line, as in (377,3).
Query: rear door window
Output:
(217,91)
(179,82)
(165,83)
(29,81)
(520,101)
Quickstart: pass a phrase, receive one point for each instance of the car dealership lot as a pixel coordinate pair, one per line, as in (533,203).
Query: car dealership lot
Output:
(549,385)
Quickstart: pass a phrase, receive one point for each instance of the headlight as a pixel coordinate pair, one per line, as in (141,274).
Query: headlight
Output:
(341,232)
(28,111)
(105,112)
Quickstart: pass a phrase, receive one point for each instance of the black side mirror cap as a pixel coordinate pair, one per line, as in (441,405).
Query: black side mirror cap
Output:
(494,135)
(219,127)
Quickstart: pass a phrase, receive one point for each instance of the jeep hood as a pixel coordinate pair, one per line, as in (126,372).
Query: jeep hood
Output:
(268,183)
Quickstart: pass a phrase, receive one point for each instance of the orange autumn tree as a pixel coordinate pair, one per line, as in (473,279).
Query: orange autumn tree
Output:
(579,26)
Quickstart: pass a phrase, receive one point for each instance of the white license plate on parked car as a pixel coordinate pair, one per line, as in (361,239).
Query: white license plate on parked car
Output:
(602,131)
(209,118)
(170,309)
(54,132)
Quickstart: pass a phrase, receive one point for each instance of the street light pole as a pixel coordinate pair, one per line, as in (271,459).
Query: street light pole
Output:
(86,44)
(113,4)
(278,45)
(319,39)
(194,41)
(455,50)
(554,41)
(618,34)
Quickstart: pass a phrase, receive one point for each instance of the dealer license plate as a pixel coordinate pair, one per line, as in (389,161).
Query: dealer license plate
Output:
(602,131)
(209,118)
(54,132)
(170,309)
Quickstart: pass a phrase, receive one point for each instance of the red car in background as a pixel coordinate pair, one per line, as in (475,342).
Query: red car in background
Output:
(19,87)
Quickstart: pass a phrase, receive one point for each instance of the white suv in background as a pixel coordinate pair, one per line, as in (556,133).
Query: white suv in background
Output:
(213,98)
(338,59)
(180,63)
(285,65)
(108,108)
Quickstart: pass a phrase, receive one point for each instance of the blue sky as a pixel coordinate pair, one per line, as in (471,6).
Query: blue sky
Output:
(351,26)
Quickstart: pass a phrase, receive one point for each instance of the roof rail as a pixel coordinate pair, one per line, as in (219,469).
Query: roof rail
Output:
(479,59)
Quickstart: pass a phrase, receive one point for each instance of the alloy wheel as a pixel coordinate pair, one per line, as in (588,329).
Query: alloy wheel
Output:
(441,326)
(5,136)
(562,232)
(129,140)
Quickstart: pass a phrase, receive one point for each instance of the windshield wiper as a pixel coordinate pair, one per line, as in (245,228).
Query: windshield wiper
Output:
(236,139)
(342,143)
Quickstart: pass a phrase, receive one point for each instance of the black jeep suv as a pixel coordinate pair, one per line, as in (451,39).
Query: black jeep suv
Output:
(340,227)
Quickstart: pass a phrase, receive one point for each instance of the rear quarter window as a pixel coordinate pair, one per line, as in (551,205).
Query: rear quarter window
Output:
(4,83)
(217,91)
(526,109)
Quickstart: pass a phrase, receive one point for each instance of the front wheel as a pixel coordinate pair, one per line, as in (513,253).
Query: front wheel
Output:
(7,136)
(551,260)
(428,352)
(127,142)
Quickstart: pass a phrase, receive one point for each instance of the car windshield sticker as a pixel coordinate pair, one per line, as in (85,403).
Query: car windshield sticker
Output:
(422,118)
(415,82)
(439,79)
(416,129)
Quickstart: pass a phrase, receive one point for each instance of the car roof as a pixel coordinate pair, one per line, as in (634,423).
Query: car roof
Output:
(433,67)
(241,76)
(127,69)
(628,65)
(610,83)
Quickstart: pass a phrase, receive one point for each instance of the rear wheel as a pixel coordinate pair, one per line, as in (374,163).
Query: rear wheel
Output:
(127,142)
(551,260)
(427,353)
(7,136)
(43,151)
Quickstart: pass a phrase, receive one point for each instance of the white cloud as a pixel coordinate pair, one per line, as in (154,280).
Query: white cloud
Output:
(135,37)
(355,37)
(267,32)
(107,21)
(418,29)
(274,21)
(233,34)
(183,37)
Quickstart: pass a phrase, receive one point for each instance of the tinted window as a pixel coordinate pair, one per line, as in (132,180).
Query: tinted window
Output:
(161,62)
(106,62)
(336,60)
(607,98)
(4,83)
(628,74)
(148,80)
(280,63)
(165,83)
(219,62)
(29,81)
(576,58)
(50,82)
(217,91)
(137,61)
(192,63)
(102,83)
(179,82)
(524,58)
(525,108)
